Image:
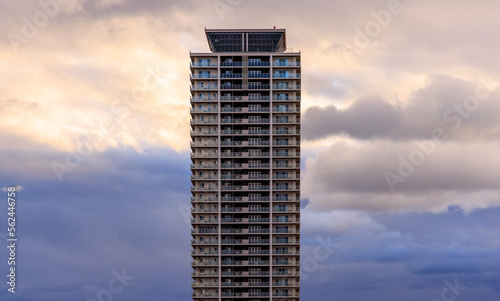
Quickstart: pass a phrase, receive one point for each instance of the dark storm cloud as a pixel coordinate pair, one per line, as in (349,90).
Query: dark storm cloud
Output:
(469,109)
(117,209)
(410,255)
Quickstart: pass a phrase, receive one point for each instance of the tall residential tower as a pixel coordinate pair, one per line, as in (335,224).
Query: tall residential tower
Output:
(245,141)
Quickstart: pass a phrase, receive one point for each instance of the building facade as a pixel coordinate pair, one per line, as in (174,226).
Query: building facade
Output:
(245,141)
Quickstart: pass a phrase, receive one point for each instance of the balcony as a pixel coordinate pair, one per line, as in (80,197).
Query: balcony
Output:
(244,165)
(245,209)
(245,110)
(280,274)
(286,242)
(202,99)
(296,263)
(204,87)
(202,64)
(204,231)
(204,200)
(291,154)
(244,143)
(209,188)
(206,274)
(206,263)
(204,221)
(286,284)
(286,231)
(245,199)
(205,295)
(286,132)
(285,188)
(207,177)
(286,75)
(245,132)
(245,177)
(285,209)
(286,110)
(203,133)
(244,98)
(199,121)
(285,199)
(258,75)
(204,284)
(286,87)
(203,143)
(202,76)
(286,177)
(210,210)
(245,155)
(204,110)
(286,64)
(286,120)
(204,155)
(286,221)
(289,252)
(286,98)
(286,143)
(207,166)
(231,75)
(199,253)
(205,242)
(284,165)
(231,64)
(258,64)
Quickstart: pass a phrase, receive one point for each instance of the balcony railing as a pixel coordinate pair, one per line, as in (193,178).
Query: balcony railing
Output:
(286,64)
(278,187)
(204,155)
(286,209)
(203,132)
(197,76)
(286,87)
(244,98)
(209,188)
(208,121)
(203,200)
(286,75)
(286,242)
(286,110)
(286,177)
(204,87)
(285,165)
(207,166)
(202,64)
(209,210)
(204,221)
(205,242)
(203,143)
(284,120)
(286,98)
(286,143)
(204,110)
(209,99)
(292,154)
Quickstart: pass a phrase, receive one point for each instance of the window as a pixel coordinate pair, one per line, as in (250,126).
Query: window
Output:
(282,96)
(204,62)
(204,74)
(282,108)
(282,62)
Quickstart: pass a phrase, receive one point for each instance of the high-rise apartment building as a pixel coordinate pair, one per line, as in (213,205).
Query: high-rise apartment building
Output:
(245,141)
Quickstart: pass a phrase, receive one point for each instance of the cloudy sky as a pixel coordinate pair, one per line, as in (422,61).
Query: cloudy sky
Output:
(400,165)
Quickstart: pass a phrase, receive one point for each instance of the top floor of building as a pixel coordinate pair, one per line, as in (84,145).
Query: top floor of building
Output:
(246,40)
